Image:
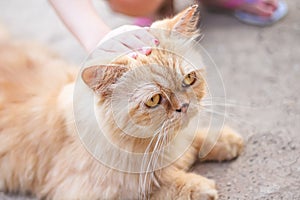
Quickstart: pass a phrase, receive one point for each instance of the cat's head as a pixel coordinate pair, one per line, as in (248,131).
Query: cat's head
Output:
(155,91)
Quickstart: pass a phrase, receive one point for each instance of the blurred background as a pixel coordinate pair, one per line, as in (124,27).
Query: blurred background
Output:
(261,72)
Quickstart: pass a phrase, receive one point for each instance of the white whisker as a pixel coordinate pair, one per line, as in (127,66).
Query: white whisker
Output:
(143,179)
(228,115)
(149,164)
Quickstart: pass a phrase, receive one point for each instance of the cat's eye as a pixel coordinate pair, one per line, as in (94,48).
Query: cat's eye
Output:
(153,101)
(189,79)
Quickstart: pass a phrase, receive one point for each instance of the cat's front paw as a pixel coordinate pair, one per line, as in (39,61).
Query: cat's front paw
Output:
(198,188)
(229,145)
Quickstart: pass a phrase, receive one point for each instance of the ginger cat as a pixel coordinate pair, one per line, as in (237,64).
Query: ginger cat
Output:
(42,154)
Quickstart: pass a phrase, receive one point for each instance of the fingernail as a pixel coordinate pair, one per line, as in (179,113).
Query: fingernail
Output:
(133,55)
(146,50)
(156,42)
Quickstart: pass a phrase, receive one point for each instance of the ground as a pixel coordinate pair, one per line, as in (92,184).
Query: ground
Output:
(260,68)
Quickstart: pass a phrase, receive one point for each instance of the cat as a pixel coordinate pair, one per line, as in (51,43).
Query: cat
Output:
(42,154)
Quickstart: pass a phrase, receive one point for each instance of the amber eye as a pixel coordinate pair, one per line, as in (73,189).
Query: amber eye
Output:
(189,79)
(153,101)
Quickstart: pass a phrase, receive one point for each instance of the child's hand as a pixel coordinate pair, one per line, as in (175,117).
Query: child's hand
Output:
(127,39)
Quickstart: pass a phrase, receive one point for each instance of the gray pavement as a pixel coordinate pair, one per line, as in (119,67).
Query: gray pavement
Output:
(260,69)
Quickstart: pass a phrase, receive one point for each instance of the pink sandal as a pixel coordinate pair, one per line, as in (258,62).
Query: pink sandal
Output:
(253,19)
(277,15)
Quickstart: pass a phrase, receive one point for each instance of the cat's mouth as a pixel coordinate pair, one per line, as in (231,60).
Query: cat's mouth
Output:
(184,118)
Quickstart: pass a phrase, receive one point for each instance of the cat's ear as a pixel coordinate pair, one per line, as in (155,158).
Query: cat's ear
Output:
(186,22)
(100,77)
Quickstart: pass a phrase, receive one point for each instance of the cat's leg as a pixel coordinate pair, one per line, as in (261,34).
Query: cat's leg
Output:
(228,145)
(178,184)
(182,185)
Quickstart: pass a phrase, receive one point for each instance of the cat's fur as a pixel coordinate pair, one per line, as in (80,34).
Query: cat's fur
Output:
(41,153)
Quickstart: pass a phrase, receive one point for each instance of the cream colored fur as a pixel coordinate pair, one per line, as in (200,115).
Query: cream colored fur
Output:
(42,153)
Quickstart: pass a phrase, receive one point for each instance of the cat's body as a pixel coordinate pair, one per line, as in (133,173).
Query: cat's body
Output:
(41,152)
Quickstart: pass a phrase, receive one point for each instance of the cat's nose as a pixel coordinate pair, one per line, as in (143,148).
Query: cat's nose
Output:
(184,107)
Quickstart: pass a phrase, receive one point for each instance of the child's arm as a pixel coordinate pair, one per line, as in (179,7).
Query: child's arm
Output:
(84,23)
(82,20)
